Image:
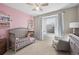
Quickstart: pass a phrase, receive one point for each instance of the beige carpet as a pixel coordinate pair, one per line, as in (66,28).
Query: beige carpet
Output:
(43,47)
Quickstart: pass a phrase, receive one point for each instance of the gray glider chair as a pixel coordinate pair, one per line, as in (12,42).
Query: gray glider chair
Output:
(61,43)
(19,39)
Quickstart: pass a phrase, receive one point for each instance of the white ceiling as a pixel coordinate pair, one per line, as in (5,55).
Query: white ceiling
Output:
(28,9)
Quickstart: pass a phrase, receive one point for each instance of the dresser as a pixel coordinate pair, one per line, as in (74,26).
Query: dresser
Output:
(74,44)
(3,46)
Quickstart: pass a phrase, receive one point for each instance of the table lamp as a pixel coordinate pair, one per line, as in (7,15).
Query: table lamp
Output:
(74,25)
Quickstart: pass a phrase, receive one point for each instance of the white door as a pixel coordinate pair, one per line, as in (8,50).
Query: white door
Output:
(44,28)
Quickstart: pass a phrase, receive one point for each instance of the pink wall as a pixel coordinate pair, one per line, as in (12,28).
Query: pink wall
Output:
(19,19)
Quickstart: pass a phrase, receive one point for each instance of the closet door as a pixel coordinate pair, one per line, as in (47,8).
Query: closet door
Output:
(44,31)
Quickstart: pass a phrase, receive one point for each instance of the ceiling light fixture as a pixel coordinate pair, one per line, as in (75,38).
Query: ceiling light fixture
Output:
(37,6)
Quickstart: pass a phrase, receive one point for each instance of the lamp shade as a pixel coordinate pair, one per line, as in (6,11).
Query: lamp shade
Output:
(74,25)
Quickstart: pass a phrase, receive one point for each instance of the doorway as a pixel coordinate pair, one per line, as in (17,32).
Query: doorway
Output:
(49,26)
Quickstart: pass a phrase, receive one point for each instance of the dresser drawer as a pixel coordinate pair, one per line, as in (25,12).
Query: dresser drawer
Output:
(2,51)
(3,47)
